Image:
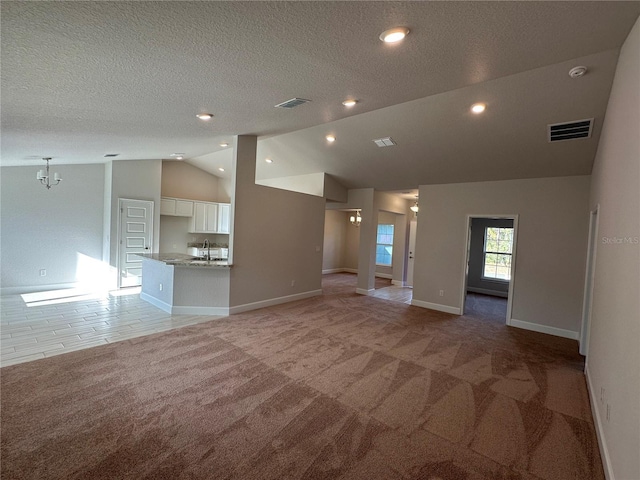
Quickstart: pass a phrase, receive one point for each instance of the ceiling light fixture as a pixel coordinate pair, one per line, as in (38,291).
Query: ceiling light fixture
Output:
(177,156)
(394,35)
(45,178)
(349,103)
(330,138)
(478,108)
(356,219)
(414,208)
(577,72)
(268,160)
(224,144)
(221,169)
(205,116)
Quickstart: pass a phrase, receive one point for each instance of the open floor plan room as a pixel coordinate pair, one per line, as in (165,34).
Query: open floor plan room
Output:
(336,386)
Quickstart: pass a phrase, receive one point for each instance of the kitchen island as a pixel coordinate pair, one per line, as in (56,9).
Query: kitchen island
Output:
(186,285)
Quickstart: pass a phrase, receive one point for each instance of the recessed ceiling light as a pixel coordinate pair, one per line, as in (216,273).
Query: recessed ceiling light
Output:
(268,160)
(178,156)
(576,72)
(349,103)
(224,144)
(478,107)
(221,169)
(394,34)
(330,138)
(204,116)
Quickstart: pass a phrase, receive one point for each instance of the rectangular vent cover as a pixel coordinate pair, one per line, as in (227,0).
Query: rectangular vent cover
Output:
(571,130)
(384,142)
(294,102)
(111,155)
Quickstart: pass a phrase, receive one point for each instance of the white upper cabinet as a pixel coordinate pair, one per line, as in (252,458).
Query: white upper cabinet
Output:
(210,217)
(176,207)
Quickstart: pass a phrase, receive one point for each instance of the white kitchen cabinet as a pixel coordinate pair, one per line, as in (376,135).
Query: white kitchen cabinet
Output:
(176,207)
(224,217)
(205,218)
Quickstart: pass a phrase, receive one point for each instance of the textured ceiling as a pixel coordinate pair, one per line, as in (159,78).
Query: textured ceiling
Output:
(83,79)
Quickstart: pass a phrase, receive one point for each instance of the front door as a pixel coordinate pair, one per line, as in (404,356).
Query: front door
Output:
(135,235)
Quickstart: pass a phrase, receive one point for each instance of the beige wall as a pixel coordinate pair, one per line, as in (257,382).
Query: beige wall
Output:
(551,245)
(137,180)
(613,359)
(352,247)
(335,238)
(277,236)
(181,180)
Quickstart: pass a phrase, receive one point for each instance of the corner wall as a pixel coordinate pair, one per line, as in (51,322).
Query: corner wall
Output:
(551,246)
(613,357)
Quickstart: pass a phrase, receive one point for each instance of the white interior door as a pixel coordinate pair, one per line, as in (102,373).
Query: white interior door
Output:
(135,235)
(412,249)
(588,283)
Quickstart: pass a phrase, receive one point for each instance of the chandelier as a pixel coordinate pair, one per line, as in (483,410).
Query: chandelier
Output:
(45,178)
(356,219)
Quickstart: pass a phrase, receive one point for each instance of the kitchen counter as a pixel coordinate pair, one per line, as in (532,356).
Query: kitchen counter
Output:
(182,260)
(186,285)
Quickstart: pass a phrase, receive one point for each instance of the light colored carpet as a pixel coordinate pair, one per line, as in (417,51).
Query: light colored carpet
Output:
(340,386)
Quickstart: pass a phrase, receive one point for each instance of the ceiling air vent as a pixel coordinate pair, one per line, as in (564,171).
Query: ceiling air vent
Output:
(111,155)
(294,102)
(384,142)
(571,130)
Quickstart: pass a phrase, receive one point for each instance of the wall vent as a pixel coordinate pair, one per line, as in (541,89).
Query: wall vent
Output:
(294,102)
(384,142)
(111,155)
(570,130)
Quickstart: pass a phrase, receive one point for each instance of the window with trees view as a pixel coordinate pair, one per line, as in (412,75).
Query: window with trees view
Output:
(384,244)
(498,244)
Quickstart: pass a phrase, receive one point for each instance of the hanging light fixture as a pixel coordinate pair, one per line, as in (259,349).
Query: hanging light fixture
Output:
(414,208)
(356,219)
(45,178)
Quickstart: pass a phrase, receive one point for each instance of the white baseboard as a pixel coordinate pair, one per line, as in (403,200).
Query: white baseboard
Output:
(350,270)
(214,311)
(397,282)
(486,291)
(38,288)
(364,291)
(536,327)
(602,443)
(332,270)
(273,301)
(436,306)
(384,275)
(156,302)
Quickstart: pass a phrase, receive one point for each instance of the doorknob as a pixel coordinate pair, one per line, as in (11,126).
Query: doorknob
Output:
(146,248)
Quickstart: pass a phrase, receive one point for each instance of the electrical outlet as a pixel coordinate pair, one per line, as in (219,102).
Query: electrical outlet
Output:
(317,248)
(608,412)
(43,272)
(160,287)
(442,293)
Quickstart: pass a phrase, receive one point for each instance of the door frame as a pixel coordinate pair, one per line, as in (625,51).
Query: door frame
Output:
(119,233)
(465,260)
(590,270)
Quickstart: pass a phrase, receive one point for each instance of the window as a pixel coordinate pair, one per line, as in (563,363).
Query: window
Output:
(384,244)
(498,243)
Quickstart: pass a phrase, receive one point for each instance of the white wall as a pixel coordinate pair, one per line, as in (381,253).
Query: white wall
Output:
(277,237)
(49,229)
(613,360)
(551,245)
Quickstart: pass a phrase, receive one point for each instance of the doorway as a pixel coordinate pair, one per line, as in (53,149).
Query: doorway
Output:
(489,266)
(135,236)
(588,283)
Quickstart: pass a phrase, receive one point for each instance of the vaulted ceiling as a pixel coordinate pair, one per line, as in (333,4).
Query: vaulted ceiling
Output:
(85,79)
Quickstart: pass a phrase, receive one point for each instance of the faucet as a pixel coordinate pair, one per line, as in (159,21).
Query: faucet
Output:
(207,245)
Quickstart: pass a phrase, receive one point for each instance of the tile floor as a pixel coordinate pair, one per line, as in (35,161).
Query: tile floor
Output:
(35,326)
(394,293)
